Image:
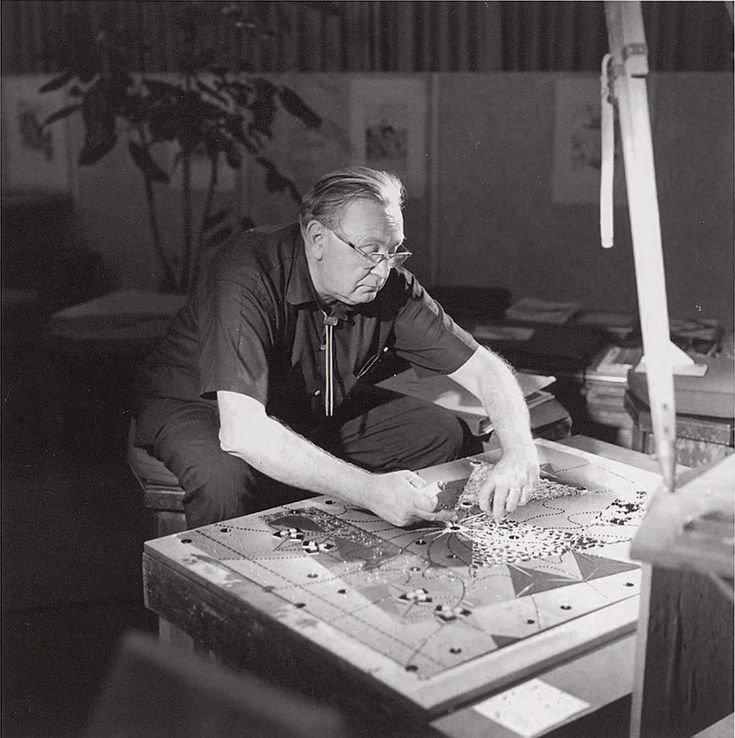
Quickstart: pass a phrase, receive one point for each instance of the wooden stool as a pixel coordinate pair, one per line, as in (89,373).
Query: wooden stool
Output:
(162,494)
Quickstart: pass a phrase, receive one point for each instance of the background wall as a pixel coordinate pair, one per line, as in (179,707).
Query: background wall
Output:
(499,225)
(487,214)
(489,217)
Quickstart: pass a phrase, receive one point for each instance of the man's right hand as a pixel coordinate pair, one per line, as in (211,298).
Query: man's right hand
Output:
(403,497)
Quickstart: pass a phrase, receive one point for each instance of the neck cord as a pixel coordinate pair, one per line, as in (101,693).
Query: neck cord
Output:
(329,322)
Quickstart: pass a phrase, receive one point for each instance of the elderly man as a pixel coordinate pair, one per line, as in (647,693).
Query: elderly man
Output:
(257,390)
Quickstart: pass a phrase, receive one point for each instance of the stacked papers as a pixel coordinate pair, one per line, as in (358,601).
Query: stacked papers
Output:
(442,391)
(542,311)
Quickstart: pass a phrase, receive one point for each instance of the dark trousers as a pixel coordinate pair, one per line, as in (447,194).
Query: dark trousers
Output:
(376,430)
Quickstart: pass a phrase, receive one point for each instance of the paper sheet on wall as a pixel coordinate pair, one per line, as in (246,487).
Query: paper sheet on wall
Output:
(387,127)
(35,157)
(577,150)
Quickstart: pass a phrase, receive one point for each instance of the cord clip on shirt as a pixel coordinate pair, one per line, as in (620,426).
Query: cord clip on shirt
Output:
(329,322)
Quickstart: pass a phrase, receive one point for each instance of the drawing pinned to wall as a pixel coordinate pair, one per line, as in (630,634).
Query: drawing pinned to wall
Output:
(35,157)
(577,151)
(386,132)
(387,128)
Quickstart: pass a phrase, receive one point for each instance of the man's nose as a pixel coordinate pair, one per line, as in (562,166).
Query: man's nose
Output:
(382,267)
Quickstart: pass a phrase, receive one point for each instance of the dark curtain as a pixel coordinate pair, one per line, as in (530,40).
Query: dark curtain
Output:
(572,36)
(380,36)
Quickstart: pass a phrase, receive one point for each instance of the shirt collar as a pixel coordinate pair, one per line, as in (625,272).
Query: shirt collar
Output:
(301,290)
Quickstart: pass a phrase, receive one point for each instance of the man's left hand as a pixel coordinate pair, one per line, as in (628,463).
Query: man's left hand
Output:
(510,483)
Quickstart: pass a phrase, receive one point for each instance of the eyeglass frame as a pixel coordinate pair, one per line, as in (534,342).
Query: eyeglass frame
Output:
(376,258)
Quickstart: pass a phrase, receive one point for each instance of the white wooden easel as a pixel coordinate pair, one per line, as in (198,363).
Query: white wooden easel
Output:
(627,72)
(628,67)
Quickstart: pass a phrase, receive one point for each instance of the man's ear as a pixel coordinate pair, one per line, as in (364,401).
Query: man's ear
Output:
(315,238)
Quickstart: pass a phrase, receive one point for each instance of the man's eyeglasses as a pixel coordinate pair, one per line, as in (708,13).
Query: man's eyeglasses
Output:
(392,260)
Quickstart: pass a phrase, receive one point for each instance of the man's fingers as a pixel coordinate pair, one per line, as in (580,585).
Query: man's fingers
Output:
(439,515)
(526,493)
(426,498)
(513,499)
(415,480)
(485,495)
(501,495)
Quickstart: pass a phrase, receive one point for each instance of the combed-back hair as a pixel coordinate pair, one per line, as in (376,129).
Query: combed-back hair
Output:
(326,200)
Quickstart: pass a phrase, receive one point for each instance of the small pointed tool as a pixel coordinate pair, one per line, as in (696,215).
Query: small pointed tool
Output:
(546,471)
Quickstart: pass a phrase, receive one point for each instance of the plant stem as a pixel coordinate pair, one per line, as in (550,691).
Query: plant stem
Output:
(197,255)
(169,276)
(185,275)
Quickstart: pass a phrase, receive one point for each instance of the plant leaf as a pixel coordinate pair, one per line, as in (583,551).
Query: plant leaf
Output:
(57,82)
(232,152)
(215,219)
(99,125)
(94,149)
(59,114)
(206,89)
(275,181)
(241,92)
(242,137)
(298,108)
(263,107)
(246,223)
(144,160)
(217,237)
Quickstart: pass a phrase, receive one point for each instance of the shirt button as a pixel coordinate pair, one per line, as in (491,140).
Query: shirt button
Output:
(323,347)
(317,393)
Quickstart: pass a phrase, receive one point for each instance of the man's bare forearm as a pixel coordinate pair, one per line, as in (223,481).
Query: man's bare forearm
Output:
(503,400)
(282,454)
(512,479)
(492,381)
(400,497)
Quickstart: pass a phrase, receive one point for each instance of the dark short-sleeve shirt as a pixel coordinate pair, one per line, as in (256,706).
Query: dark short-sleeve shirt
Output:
(255,326)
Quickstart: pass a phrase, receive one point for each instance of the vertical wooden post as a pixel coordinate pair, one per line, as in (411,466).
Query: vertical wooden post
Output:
(683,679)
(641,646)
(630,66)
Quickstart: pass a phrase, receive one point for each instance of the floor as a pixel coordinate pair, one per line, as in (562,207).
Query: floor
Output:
(72,536)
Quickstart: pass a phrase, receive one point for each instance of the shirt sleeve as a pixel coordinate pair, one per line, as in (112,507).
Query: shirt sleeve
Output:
(236,339)
(427,337)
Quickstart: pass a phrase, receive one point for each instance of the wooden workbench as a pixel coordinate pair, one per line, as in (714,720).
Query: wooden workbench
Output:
(233,609)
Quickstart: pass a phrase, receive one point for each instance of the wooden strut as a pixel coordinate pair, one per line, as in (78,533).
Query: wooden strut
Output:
(629,67)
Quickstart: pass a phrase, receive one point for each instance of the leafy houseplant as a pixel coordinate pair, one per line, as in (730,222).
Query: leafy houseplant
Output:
(211,110)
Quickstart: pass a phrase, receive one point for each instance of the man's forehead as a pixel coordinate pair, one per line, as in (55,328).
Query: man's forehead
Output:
(368,215)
